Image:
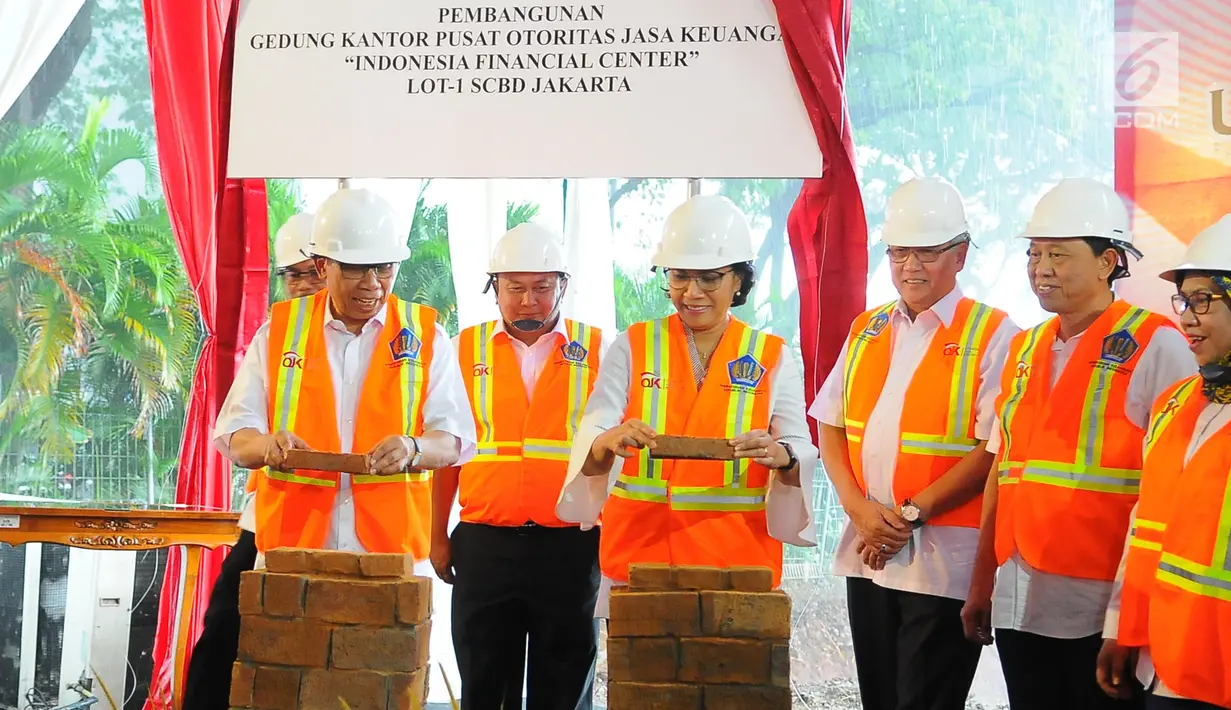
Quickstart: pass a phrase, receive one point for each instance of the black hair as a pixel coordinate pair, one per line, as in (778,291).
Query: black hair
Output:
(1100,246)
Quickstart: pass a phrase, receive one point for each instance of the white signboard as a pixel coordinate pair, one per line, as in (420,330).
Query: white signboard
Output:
(482,88)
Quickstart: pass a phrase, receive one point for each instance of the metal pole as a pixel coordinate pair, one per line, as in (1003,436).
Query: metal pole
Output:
(344,183)
(694,187)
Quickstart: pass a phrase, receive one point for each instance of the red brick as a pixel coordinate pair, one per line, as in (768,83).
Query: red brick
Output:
(284,594)
(284,642)
(408,691)
(327,461)
(751,579)
(361,690)
(691,447)
(641,659)
(288,560)
(387,565)
(746,614)
(654,696)
(746,697)
(647,577)
(399,649)
(654,614)
(348,601)
(701,578)
(780,666)
(242,675)
(276,688)
(250,588)
(335,562)
(414,600)
(705,660)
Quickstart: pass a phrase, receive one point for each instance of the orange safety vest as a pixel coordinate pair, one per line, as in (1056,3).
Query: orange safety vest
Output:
(392,513)
(693,512)
(523,442)
(936,431)
(1172,424)
(1070,464)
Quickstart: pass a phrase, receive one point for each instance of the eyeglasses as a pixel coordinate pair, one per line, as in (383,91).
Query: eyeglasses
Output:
(1198,303)
(900,255)
(294,274)
(707,280)
(354,272)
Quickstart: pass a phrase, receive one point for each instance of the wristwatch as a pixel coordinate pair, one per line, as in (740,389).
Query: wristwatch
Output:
(791,458)
(414,460)
(911,513)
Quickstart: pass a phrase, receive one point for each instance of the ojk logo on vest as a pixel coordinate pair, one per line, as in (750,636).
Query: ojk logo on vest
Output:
(652,381)
(291,360)
(405,348)
(955,350)
(745,374)
(574,354)
(1118,349)
(481,370)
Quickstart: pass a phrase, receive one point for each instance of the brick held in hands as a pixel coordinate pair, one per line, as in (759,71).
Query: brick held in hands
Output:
(276,688)
(746,614)
(284,594)
(242,675)
(335,562)
(707,660)
(699,578)
(414,600)
(654,614)
(751,579)
(387,565)
(691,447)
(747,697)
(650,576)
(408,691)
(251,585)
(655,696)
(642,659)
(284,642)
(288,560)
(350,601)
(361,690)
(780,665)
(395,649)
(325,461)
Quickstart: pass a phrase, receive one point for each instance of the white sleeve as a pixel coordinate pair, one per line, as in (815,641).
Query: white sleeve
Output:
(991,367)
(247,402)
(993,438)
(446,406)
(1165,361)
(583,496)
(788,509)
(1111,623)
(828,407)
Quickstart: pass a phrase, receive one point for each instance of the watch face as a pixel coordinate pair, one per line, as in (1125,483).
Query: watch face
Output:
(910,513)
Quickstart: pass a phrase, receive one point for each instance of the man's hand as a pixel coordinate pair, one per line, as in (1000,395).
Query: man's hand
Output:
(879,527)
(442,558)
(276,446)
(1115,664)
(977,611)
(619,441)
(392,455)
(871,557)
(759,446)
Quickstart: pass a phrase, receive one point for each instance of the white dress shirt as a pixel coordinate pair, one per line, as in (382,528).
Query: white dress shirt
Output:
(1211,422)
(788,509)
(1037,602)
(246,406)
(938,560)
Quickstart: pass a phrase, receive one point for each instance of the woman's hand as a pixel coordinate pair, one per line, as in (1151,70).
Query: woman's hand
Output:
(620,441)
(759,446)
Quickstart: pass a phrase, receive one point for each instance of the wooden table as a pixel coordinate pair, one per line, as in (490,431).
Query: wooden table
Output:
(128,528)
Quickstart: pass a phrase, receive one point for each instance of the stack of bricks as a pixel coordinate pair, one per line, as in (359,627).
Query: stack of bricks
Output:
(326,630)
(699,638)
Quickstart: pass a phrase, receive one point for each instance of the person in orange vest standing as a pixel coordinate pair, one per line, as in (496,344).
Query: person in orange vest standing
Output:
(699,373)
(905,420)
(1072,412)
(519,573)
(220,626)
(352,368)
(1173,614)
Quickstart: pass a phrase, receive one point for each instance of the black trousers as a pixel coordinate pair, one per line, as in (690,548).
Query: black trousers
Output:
(1158,702)
(1043,673)
(207,684)
(513,584)
(910,652)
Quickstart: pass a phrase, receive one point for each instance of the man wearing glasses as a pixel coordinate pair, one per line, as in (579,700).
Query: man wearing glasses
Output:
(293,260)
(349,369)
(1072,414)
(905,418)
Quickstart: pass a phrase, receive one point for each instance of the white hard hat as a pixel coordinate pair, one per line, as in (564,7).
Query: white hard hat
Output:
(1210,250)
(924,212)
(293,243)
(528,247)
(1081,207)
(706,232)
(358,227)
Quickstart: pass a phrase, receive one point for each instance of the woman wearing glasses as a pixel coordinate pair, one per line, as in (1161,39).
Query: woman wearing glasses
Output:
(1174,614)
(699,373)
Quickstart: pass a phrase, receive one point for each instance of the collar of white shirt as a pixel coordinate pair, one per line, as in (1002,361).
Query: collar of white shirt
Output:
(944,309)
(559,329)
(378,319)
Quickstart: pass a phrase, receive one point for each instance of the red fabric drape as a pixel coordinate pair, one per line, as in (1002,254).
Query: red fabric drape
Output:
(221,230)
(827,227)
